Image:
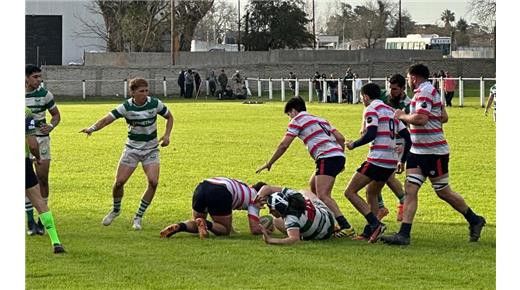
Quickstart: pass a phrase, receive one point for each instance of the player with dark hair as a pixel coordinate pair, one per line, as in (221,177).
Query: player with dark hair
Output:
(326,146)
(381,129)
(299,215)
(429,157)
(140,113)
(218,197)
(39,100)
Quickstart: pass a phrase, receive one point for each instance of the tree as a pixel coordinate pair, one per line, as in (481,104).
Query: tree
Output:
(484,11)
(462,25)
(221,18)
(373,20)
(141,25)
(275,25)
(447,16)
(407,24)
(341,23)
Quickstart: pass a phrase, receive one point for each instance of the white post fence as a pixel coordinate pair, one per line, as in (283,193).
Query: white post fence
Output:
(259,87)
(125,89)
(165,94)
(482,93)
(341,92)
(310,90)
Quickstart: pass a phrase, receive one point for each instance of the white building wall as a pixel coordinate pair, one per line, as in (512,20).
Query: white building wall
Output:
(72,45)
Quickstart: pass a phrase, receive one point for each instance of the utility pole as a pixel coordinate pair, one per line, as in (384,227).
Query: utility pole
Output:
(399,28)
(238,25)
(313,26)
(173,35)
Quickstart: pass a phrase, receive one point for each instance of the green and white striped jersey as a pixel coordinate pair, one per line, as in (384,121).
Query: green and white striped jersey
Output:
(142,121)
(316,222)
(39,101)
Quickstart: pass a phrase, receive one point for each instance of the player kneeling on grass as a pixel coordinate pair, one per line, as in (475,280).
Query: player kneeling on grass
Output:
(140,112)
(32,189)
(300,215)
(219,196)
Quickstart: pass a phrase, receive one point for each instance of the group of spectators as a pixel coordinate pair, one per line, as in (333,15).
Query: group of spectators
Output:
(331,91)
(219,86)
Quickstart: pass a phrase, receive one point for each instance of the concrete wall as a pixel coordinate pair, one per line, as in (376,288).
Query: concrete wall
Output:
(108,80)
(221,58)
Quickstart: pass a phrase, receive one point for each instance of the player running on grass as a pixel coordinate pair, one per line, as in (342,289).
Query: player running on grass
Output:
(381,128)
(299,215)
(218,197)
(39,101)
(326,146)
(32,189)
(429,157)
(140,112)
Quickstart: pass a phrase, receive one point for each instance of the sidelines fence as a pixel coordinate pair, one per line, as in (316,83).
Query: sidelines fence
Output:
(268,83)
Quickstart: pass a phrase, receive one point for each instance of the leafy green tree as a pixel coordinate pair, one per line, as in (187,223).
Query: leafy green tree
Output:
(447,17)
(276,25)
(462,25)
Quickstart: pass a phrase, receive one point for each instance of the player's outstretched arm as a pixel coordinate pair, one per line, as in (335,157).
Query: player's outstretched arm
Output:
(265,191)
(165,139)
(293,236)
(284,145)
(107,120)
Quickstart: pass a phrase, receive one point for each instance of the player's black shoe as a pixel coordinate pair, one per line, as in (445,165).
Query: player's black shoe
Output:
(40,229)
(377,232)
(396,239)
(31,228)
(58,249)
(476,229)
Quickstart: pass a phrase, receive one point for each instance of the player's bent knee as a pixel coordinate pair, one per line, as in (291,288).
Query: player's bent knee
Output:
(440,184)
(416,179)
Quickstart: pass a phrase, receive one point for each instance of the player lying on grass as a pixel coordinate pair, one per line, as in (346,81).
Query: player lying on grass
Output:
(218,197)
(32,189)
(299,215)
(140,112)
(326,146)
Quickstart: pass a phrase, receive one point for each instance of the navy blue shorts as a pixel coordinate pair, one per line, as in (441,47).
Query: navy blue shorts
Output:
(331,166)
(30,177)
(375,172)
(211,198)
(431,165)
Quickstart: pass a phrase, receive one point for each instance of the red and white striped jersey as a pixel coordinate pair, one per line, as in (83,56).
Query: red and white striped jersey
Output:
(428,139)
(316,134)
(243,195)
(382,151)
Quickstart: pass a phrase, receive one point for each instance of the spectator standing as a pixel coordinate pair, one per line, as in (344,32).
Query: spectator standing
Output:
(357,85)
(292,83)
(212,80)
(317,85)
(198,80)
(180,82)
(449,88)
(222,80)
(188,84)
(347,80)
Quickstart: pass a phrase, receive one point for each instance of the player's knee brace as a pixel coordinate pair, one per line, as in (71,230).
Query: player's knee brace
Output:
(440,184)
(416,179)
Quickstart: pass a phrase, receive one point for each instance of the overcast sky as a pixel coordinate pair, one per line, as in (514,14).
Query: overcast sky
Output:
(422,11)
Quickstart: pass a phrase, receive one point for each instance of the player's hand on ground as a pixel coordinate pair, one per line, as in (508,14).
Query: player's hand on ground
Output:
(165,141)
(265,234)
(46,128)
(400,168)
(265,166)
(87,131)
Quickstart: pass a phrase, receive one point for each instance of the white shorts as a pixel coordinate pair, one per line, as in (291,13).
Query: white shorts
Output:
(131,157)
(44,143)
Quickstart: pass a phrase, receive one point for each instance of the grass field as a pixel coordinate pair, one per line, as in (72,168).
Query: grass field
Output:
(232,139)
